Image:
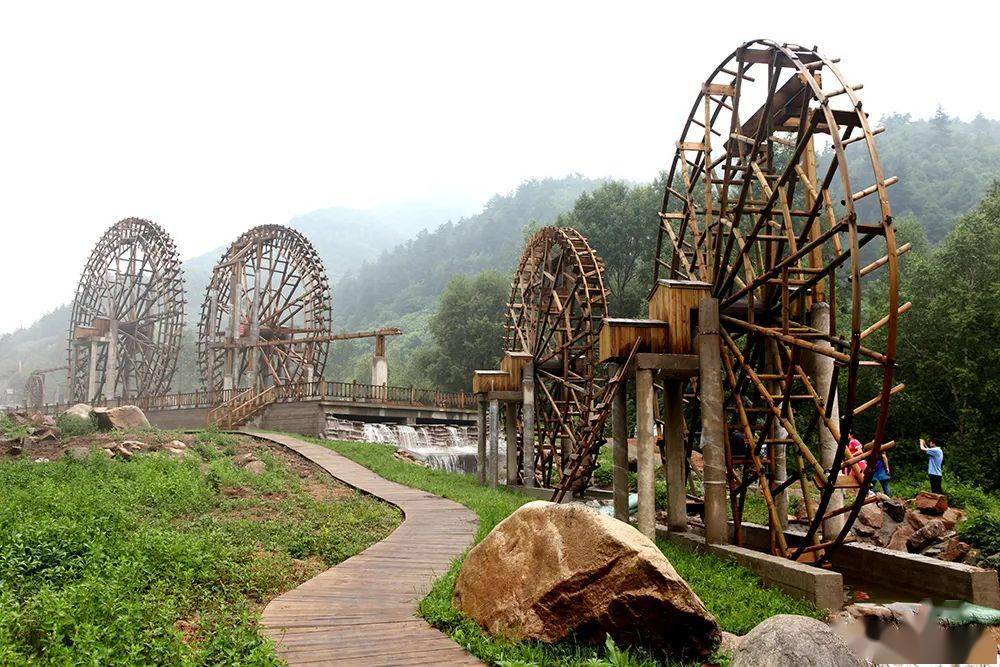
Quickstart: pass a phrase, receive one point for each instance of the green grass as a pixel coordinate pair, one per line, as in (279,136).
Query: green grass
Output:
(729,591)
(161,561)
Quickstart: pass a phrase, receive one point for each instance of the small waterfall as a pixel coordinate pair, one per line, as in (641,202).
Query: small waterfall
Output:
(451,448)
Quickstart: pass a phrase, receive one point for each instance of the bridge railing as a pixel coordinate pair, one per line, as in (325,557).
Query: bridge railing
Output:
(327,390)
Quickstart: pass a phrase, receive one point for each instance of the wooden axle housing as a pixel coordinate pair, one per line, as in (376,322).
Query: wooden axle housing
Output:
(676,303)
(618,335)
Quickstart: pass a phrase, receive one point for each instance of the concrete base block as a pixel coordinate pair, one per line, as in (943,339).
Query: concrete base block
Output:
(823,588)
(916,574)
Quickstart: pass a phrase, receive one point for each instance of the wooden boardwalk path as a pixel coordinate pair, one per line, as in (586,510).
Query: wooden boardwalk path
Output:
(363,611)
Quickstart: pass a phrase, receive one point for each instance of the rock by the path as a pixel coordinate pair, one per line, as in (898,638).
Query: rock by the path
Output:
(899,538)
(78,452)
(884,534)
(930,503)
(952,517)
(122,418)
(80,411)
(793,640)
(871,516)
(176,444)
(955,550)
(134,445)
(244,459)
(109,452)
(930,533)
(729,643)
(548,571)
(895,509)
(256,467)
(918,520)
(123,452)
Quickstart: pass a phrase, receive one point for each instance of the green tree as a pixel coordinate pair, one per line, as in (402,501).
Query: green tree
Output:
(620,222)
(467,330)
(948,354)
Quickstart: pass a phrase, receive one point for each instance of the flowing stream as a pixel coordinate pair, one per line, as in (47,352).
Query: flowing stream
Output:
(451,448)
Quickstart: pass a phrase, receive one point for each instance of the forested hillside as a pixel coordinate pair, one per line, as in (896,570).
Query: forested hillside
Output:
(945,166)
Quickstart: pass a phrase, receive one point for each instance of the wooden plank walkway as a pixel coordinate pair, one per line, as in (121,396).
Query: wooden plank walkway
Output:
(363,611)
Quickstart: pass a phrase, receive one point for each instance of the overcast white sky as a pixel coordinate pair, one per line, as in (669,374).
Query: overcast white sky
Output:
(212,117)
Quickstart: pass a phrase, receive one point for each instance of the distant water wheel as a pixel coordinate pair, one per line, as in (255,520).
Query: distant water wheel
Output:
(265,313)
(34,391)
(777,232)
(34,387)
(557,302)
(127,316)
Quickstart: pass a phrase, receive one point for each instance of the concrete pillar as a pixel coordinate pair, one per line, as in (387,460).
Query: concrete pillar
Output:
(619,443)
(712,421)
(528,423)
(92,373)
(510,424)
(645,452)
(380,367)
(229,380)
(823,369)
(111,372)
(781,475)
(494,454)
(675,458)
(481,443)
(779,450)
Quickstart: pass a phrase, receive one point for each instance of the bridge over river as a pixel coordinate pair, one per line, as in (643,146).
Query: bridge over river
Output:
(307,408)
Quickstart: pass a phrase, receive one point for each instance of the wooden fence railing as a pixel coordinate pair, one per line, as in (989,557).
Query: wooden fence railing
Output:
(299,391)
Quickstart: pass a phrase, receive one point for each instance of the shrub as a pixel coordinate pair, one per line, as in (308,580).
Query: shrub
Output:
(73,426)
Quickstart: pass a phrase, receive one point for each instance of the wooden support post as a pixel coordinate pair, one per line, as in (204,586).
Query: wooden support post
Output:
(494,455)
(510,424)
(712,421)
(823,368)
(481,444)
(528,423)
(676,461)
(646,452)
(619,439)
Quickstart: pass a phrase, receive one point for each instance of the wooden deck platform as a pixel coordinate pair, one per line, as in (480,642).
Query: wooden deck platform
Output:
(363,611)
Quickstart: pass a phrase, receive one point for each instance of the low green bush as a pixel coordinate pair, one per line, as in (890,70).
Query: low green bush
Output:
(72,426)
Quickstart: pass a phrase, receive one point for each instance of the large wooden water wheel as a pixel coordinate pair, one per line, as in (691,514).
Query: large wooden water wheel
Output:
(760,205)
(265,319)
(557,302)
(127,316)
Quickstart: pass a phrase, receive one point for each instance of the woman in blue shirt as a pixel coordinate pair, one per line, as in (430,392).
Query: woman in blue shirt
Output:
(935,456)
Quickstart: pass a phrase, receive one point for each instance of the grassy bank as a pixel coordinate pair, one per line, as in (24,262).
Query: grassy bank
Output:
(159,560)
(730,592)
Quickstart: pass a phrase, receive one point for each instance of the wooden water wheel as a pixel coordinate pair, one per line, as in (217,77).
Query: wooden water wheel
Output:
(759,204)
(127,316)
(265,319)
(557,302)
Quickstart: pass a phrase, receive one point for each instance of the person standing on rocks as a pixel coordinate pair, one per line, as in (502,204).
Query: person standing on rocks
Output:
(935,457)
(882,472)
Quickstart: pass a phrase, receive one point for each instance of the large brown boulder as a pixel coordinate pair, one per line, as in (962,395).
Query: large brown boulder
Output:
(930,503)
(548,571)
(923,538)
(121,418)
(793,640)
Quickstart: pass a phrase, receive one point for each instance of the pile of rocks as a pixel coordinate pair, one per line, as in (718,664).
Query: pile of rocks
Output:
(35,427)
(924,525)
(126,449)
